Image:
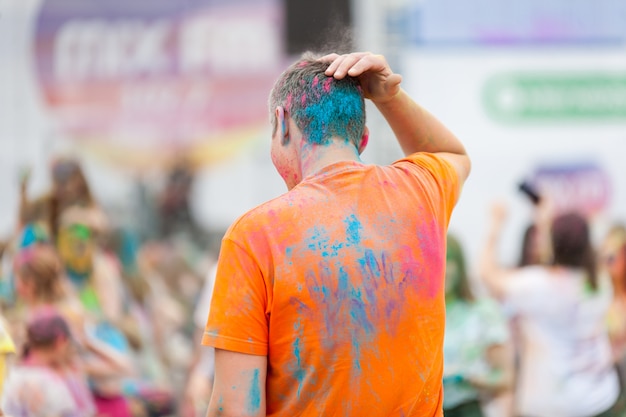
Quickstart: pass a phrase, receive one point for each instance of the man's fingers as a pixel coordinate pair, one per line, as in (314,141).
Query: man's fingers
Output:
(334,64)
(329,58)
(368,62)
(342,65)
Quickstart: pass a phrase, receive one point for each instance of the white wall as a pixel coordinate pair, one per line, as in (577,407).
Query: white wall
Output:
(450,83)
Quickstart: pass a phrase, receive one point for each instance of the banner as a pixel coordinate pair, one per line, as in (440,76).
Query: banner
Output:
(139,82)
(583,187)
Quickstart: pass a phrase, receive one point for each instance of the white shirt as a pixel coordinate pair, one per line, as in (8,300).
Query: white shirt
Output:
(32,391)
(566,366)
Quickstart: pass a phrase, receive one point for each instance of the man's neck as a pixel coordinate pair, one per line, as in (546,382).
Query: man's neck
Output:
(316,157)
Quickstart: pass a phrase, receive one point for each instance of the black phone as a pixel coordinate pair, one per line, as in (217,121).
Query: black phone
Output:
(530,191)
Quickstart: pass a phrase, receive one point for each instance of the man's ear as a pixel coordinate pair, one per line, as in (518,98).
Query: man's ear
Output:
(282,124)
(364,139)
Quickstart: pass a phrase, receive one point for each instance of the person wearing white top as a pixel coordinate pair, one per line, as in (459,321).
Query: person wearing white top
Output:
(566,367)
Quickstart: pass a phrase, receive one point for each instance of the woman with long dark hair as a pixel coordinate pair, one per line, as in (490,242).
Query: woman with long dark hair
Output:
(566,366)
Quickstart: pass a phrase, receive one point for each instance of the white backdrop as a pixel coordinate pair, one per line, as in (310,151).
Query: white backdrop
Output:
(450,84)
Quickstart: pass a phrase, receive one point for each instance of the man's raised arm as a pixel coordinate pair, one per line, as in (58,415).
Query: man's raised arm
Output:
(415,128)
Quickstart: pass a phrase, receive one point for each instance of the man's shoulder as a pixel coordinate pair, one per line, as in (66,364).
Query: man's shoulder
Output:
(425,160)
(271,210)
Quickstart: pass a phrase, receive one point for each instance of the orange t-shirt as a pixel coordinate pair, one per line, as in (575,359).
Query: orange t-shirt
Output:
(340,283)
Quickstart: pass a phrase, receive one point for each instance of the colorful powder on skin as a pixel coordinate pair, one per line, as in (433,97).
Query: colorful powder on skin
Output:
(254,396)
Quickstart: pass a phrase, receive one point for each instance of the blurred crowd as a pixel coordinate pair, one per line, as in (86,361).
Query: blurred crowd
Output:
(98,320)
(544,337)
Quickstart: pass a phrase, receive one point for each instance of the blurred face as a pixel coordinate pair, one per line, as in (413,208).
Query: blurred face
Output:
(57,354)
(23,287)
(615,262)
(76,247)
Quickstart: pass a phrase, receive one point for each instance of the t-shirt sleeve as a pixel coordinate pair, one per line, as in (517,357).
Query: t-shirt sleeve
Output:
(441,173)
(238,317)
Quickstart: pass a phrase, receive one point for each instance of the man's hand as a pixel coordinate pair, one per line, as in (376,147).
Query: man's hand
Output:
(380,84)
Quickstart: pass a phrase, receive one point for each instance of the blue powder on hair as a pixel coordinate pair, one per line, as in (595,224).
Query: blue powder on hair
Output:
(332,108)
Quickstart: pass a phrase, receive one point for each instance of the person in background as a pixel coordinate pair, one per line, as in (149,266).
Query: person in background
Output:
(7,351)
(70,188)
(41,284)
(47,381)
(566,366)
(613,263)
(200,376)
(477,361)
(533,251)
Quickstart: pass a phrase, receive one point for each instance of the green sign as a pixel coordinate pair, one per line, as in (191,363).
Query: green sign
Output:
(536,97)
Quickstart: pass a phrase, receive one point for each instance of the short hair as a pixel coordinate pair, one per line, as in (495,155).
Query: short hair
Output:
(321,106)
